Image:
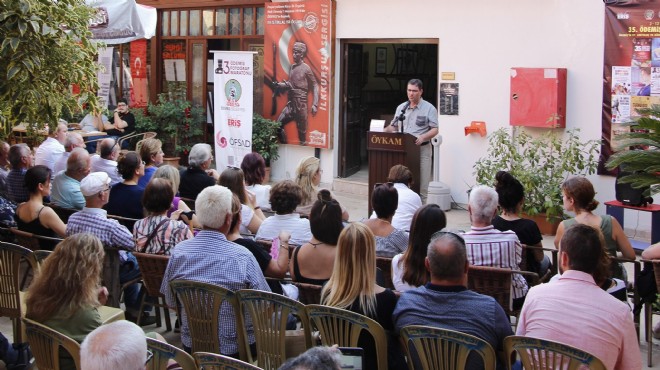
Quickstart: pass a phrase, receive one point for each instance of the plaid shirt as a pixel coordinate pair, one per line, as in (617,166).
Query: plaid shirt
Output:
(95,221)
(16,185)
(210,258)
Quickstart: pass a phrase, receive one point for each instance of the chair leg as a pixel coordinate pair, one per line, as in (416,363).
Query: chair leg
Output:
(157,310)
(648,313)
(166,313)
(141,310)
(17,325)
(27,272)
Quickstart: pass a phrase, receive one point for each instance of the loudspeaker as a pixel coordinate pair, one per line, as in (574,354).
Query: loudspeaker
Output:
(628,195)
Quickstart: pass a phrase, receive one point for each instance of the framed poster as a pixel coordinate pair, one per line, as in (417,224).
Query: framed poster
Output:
(381,60)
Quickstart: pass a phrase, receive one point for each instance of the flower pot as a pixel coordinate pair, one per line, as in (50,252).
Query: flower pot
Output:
(172,161)
(546,227)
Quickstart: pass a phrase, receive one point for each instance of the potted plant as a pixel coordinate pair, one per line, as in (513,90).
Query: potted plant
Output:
(541,164)
(264,140)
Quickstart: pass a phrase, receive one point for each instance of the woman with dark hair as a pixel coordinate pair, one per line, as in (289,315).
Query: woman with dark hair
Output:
(32,216)
(251,214)
(126,197)
(389,240)
(409,201)
(158,233)
(284,198)
(254,169)
(408,269)
(511,195)
(579,196)
(312,262)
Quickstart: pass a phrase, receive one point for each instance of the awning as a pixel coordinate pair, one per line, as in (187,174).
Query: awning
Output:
(120,21)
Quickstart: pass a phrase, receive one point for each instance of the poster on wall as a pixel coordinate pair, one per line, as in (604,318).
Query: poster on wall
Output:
(104,75)
(298,70)
(138,60)
(233,91)
(631,73)
(449,99)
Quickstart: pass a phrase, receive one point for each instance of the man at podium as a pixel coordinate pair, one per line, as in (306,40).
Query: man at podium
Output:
(420,119)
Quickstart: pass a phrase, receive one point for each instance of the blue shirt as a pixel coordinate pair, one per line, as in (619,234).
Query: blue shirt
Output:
(65,192)
(148,174)
(126,201)
(16,185)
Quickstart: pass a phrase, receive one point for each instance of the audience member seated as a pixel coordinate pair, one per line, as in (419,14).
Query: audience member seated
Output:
(308,176)
(92,123)
(315,358)
(445,301)
(271,267)
(52,148)
(199,173)
(122,123)
(409,201)
(117,345)
(251,214)
(353,287)
(15,356)
(210,258)
(32,216)
(66,185)
(579,198)
(487,246)
(312,263)
(511,195)
(159,233)
(575,311)
(254,169)
(20,159)
(73,141)
(151,153)
(93,219)
(408,269)
(4,167)
(107,160)
(66,294)
(126,198)
(172,174)
(389,240)
(284,198)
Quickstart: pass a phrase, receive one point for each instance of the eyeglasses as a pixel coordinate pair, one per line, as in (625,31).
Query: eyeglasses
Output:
(107,189)
(440,233)
(388,184)
(150,355)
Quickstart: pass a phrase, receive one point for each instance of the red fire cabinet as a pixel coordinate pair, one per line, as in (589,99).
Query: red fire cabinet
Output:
(538,97)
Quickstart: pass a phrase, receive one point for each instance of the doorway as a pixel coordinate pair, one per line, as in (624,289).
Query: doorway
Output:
(374,76)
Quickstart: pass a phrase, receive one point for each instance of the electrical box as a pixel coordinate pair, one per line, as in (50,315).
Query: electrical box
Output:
(538,97)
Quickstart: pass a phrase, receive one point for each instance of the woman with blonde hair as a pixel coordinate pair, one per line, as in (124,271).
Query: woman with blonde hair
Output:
(66,294)
(170,173)
(151,152)
(308,176)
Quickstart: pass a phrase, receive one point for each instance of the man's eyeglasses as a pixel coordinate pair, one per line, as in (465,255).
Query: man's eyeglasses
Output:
(388,184)
(150,355)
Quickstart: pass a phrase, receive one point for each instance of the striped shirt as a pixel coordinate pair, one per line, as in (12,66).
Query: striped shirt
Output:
(298,227)
(169,234)
(487,246)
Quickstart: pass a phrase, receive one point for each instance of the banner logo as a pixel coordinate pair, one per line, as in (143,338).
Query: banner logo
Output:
(233,90)
(311,22)
(648,15)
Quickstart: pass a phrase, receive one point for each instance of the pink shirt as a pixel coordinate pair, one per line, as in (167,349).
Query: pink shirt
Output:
(575,311)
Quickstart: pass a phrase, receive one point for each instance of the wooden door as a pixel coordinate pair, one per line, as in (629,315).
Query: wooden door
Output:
(351,130)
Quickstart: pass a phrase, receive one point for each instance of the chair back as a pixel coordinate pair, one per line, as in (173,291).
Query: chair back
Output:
(45,344)
(343,327)
(110,275)
(212,361)
(164,352)
(269,313)
(308,293)
(385,266)
(202,303)
(62,212)
(33,241)
(41,255)
(443,349)
(152,268)
(494,282)
(10,294)
(538,354)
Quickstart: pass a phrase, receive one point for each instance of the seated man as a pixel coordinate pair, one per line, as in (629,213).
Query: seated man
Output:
(73,141)
(122,123)
(52,148)
(199,173)
(106,161)
(447,303)
(487,246)
(93,219)
(575,311)
(117,345)
(210,258)
(65,191)
(20,159)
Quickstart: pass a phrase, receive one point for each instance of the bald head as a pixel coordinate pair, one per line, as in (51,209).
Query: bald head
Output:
(118,345)
(73,140)
(79,164)
(446,259)
(108,149)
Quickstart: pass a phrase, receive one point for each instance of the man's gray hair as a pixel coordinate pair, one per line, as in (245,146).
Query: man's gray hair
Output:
(72,138)
(483,203)
(199,154)
(78,160)
(447,255)
(315,358)
(118,345)
(212,206)
(16,153)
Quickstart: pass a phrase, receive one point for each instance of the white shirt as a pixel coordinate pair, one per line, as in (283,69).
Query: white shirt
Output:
(262,193)
(397,275)
(409,203)
(108,166)
(60,165)
(48,153)
(246,217)
(298,227)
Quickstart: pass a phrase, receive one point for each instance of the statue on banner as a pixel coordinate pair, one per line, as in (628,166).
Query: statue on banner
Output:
(301,80)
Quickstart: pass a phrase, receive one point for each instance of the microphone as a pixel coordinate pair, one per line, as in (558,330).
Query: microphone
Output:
(402,116)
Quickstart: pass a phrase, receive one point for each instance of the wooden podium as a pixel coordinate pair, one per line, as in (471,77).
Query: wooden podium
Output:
(387,149)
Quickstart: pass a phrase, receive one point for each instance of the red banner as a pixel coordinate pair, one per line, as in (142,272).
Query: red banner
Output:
(298,70)
(139,89)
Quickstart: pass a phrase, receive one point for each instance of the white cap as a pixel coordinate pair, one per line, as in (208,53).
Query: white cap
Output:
(94,183)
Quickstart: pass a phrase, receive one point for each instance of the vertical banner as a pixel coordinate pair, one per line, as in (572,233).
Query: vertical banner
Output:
(233,94)
(298,70)
(104,75)
(631,72)
(138,60)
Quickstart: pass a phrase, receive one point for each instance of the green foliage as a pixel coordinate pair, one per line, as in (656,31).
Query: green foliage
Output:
(45,47)
(644,159)
(264,138)
(540,163)
(178,124)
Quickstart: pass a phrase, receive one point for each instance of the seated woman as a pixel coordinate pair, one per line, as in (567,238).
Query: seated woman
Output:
(409,201)
(389,240)
(313,261)
(32,216)
(172,174)
(254,169)
(126,197)
(308,176)
(251,214)
(408,269)
(284,198)
(353,287)
(151,153)
(67,292)
(159,233)
(511,195)
(579,198)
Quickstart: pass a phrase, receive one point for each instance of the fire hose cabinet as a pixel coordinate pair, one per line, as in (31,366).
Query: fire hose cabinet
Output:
(538,97)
